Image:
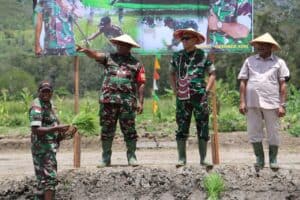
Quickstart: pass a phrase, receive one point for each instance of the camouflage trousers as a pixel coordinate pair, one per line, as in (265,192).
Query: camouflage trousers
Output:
(45,164)
(110,113)
(197,105)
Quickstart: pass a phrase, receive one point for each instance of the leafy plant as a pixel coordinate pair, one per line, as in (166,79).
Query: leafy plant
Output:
(85,123)
(230,120)
(214,185)
(295,130)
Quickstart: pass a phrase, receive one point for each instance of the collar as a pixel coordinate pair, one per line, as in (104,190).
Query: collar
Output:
(271,57)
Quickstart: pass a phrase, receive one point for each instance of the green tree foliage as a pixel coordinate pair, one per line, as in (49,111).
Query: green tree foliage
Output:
(13,81)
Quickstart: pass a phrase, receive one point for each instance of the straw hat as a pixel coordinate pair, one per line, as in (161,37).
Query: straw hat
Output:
(180,32)
(124,39)
(266,38)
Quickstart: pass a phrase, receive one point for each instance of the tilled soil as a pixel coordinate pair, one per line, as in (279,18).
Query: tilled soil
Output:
(149,183)
(157,177)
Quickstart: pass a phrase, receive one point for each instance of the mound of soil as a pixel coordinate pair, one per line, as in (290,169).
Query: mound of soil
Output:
(150,183)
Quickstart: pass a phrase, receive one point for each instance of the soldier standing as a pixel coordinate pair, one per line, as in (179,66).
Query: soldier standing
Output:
(187,75)
(46,133)
(124,80)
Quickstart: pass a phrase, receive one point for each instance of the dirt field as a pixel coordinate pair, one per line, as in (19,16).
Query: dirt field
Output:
(157,177)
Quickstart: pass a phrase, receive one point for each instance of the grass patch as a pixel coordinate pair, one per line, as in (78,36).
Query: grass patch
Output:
(214,186)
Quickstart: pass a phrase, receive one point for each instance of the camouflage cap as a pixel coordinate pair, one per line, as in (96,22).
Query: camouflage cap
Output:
(45,85)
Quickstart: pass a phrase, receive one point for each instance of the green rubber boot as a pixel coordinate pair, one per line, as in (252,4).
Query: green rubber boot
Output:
(106,153)
(181,149)
(202,146)
(259,153)
(131,148)
(273,150)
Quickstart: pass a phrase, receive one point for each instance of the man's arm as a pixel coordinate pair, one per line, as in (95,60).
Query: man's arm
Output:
(141,88)
(211,80)
(38,30)
(243,85)
(94,35)
(173,81)
(100,57)
(233,29)
(283,97)
(38,130)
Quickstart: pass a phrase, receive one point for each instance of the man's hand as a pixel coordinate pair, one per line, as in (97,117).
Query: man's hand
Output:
(80,49)
(140,108)
(38,50)
(243,109)
(212,21)
(281,111)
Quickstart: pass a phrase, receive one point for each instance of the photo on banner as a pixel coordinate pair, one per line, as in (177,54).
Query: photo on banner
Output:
(61,24)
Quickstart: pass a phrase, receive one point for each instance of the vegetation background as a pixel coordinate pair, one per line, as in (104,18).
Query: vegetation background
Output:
(20,72)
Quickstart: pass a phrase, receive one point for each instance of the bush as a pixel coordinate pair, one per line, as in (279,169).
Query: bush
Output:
(230,120)
(295,129)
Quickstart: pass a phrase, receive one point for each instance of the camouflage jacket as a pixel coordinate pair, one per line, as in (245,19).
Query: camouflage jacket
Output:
(193,65)
(121,80)
(42,114)
(58,25)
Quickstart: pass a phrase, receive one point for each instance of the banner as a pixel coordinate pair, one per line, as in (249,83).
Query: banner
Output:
(226,24)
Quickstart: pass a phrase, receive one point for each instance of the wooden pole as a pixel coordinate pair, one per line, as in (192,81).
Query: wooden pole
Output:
(76,141)
(215,138)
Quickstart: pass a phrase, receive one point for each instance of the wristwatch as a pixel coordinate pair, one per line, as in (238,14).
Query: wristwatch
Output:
(219,25)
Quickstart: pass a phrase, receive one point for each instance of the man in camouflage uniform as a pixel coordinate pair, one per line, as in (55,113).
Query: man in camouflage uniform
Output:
(108,29)
(229,22)
(58,17)
(187,75)
(124,79)
(175,25)
(46,133)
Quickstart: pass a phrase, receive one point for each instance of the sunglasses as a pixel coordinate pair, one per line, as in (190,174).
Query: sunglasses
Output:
(186,38)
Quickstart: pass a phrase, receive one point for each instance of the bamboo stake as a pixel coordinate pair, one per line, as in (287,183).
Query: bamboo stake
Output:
(215,138)
(76,141)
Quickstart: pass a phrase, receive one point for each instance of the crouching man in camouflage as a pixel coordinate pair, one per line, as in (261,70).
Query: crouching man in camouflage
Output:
(187,75)
(46,133)
(124,80)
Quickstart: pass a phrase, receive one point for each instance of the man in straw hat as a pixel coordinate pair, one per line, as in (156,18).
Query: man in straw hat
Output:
(187,75)
(124,81)
(263,94)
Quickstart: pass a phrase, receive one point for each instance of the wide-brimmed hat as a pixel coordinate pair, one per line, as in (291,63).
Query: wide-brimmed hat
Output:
(181,32)
(45,85)
(124,39)
(266,38)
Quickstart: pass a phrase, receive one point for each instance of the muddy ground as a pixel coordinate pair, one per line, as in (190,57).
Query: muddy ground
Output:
(157,177)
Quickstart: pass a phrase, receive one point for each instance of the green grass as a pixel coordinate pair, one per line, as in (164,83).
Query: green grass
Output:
(214,186)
